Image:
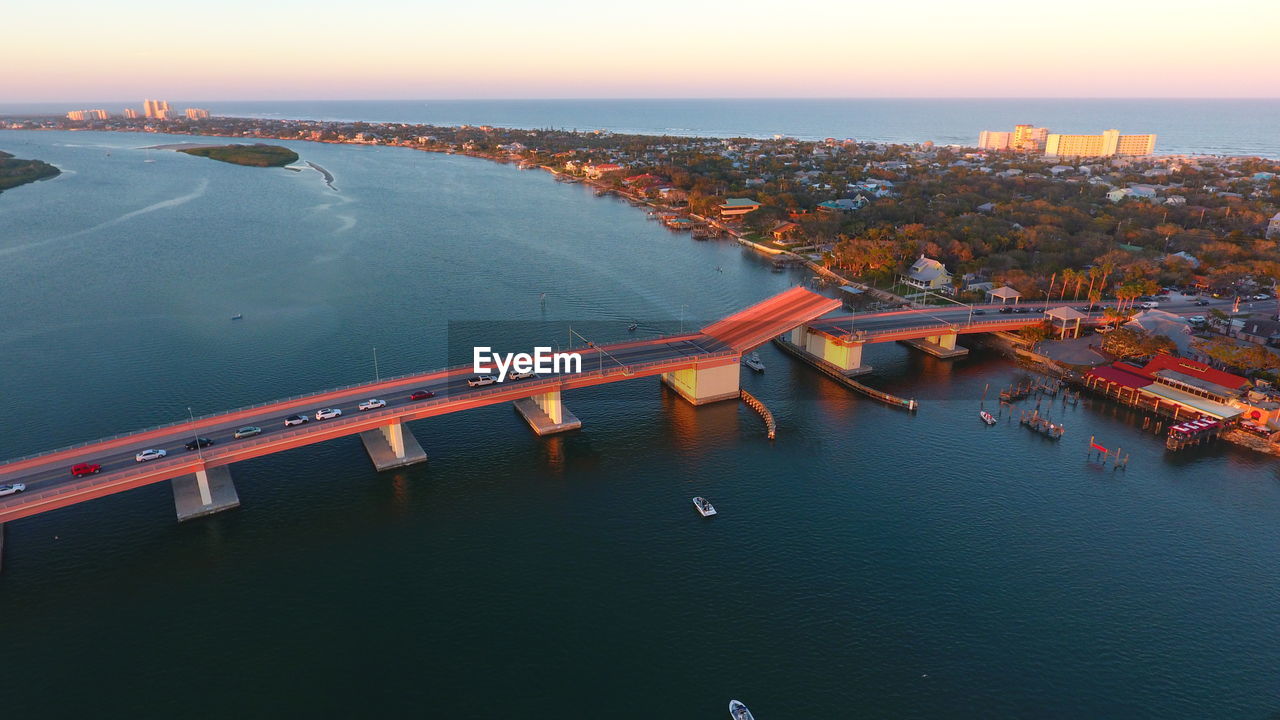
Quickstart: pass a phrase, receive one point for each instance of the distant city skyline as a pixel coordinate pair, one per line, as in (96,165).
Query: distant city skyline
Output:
(86,53)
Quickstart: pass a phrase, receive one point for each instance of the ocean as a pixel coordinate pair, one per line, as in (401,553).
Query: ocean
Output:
(1213,126)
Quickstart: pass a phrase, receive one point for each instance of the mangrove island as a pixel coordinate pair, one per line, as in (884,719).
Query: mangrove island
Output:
(16,171)
(257,155)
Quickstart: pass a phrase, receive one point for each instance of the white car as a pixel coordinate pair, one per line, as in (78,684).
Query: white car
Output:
(150,454)
(326,413)
(295,420)
(1260,296)
(481,380)
(12,489)
(1196,320)
(373,404)
(514,375)
(1149,305)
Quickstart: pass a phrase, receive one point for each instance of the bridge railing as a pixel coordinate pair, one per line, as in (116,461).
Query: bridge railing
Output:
(447,397)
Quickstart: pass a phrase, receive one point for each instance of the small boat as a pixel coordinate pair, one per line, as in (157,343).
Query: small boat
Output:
(631,328)
(738,711)
(753,361)
(704,507)
(987,417)
(237,316)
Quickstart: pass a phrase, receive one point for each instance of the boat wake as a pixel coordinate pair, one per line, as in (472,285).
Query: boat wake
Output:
(162,205)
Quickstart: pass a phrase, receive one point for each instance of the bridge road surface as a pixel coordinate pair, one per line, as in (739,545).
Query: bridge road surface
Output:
(52,470)
(922,322)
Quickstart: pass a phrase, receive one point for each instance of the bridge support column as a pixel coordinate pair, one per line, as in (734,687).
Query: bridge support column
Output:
(207,491)
(546,414)
(942,345)
(702,385)
(843,353)
(392,446)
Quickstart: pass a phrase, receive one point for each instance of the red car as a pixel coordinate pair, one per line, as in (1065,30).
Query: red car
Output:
(85,469)
(422,395)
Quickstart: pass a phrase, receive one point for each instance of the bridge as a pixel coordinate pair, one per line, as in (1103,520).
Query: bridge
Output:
(701,367)
(840,339)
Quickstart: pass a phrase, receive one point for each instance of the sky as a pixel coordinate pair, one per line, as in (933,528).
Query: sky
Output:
(86,50)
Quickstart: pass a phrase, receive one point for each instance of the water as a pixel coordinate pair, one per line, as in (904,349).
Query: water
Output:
(869,563)
(1215,126)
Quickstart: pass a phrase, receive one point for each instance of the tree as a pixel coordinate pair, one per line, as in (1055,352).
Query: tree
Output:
(1132,342)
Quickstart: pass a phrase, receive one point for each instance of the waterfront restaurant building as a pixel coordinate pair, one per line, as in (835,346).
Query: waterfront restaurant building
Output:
(734,208)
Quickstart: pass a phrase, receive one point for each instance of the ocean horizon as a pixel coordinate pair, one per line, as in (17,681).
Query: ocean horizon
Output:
(1245,126)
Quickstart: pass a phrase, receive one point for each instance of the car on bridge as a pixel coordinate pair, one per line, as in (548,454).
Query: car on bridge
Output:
(372,404)
(13,489)
(199,443)
(82,469)
(422,395)
(516,375)
(149,454)
(327,413)
(481,380)
(247,431)
(295,420)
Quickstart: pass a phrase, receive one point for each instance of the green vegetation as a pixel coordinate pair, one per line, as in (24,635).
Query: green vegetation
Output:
(1131,342)
(15,171)
(252,155)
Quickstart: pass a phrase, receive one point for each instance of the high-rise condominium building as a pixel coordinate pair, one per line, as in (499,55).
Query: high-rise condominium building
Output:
(156,109)
(82,115)
(995,140)
(1025,138)
(131,114)
(197,113)
(1109,143)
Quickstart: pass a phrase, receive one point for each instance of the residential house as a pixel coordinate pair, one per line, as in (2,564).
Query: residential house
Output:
(928,274)
(786,231)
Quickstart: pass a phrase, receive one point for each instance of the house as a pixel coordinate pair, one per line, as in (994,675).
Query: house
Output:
(987,207)
(927,274)
(1259,332)
(1190,259)
(733,208)
(1273,227)
(1175,200)
(601,169)
(843,204)
(786,231)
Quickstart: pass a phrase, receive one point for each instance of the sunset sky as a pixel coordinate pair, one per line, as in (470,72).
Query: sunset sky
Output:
(86,50)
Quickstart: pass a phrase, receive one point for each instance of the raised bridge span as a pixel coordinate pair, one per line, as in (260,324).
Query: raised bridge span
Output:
(701,366)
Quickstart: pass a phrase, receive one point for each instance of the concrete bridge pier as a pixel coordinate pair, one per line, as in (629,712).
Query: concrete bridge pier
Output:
(941,346)
(546,414)
(844,353)
(706,384)
(205,492)
(392,446)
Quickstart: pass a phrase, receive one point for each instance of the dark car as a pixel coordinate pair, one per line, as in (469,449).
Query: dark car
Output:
(1020,310)
(199,442)
(85,469)
(1006,309)
(979,311)
(1037,309)
(422,395)
(1202,303)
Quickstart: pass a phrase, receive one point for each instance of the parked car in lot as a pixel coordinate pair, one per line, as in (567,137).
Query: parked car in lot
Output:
(481,380)
(372,404)
(295,420)
(327,413)
(149,454)
(199,443)
(247,431)
(82,469)
(514,375)
(13,489)
(422,395)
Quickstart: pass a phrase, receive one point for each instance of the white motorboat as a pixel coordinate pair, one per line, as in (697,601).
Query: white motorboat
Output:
(738,711)
(704,507)
(987,417)
(753,361)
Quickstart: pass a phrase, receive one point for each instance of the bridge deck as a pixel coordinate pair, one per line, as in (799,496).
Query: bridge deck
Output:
(757,324)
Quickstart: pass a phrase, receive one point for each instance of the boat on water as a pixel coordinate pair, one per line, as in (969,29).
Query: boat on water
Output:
(632,327)
(237,316)
(987,417)
(704,507)
(753,361)
(738,711)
